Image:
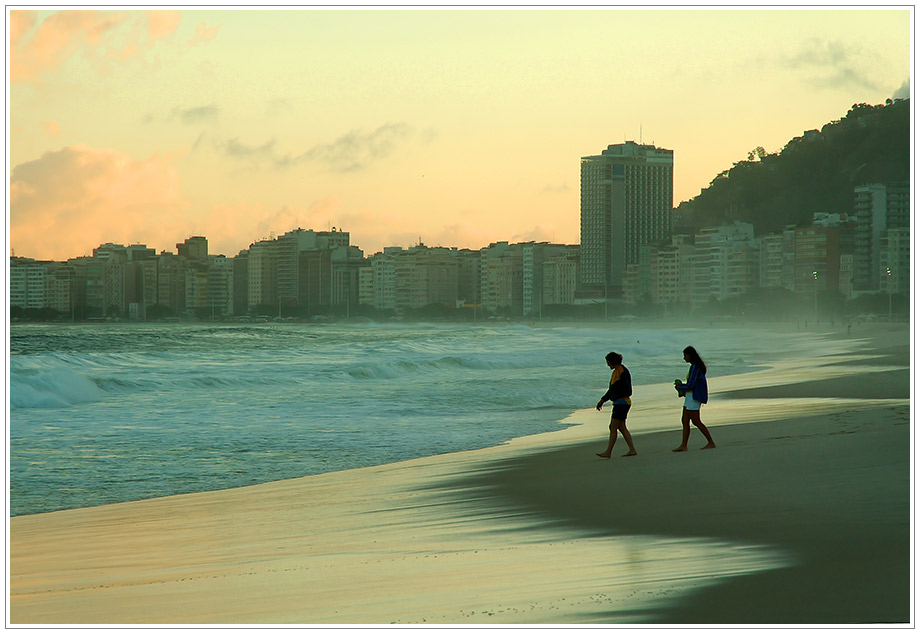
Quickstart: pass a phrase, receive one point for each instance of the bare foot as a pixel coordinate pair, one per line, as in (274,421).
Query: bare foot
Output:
(603,455)
(630,453)
(709,446)
(679,449)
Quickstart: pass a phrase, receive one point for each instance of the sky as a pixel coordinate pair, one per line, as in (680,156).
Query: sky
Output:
(446,127)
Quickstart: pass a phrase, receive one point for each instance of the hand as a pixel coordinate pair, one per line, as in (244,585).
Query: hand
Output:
(599,405)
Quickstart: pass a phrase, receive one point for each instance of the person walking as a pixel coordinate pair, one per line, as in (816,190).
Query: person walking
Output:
(619,392)
(695,392)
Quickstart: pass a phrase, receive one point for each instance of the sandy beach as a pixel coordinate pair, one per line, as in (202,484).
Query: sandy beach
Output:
(802,515)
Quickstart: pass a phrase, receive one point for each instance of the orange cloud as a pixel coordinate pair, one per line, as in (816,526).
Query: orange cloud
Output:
(204,34)
(69,201)
(162,23)
(40,48)
(51,127)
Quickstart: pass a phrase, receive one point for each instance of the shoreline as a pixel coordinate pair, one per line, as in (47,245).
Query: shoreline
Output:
(556,421)
(421,541)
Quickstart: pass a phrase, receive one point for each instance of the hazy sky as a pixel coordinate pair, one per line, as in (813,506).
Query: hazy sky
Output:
(456,128)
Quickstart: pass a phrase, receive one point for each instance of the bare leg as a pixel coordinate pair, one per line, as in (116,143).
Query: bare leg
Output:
(685,433)
(695,418)
(627,437)
(612,441)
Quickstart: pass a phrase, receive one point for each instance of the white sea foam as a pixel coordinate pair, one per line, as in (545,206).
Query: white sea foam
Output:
(53,388)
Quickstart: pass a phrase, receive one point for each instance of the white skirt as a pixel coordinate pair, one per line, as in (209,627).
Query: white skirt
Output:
(689,403)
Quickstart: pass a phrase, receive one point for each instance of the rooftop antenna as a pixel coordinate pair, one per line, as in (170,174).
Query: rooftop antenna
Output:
(640,134)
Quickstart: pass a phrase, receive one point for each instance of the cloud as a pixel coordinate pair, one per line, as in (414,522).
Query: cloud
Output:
(51,127)
(232,227)
(351,152)
(194,116)
(834,64)
(556,189)
(238,150)
(903,92)
(203,34)
(37,49)
(162,23)
(79,197)
(356,149)
(278,106)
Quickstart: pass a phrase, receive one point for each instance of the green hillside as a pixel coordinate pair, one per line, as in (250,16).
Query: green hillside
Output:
(813,173)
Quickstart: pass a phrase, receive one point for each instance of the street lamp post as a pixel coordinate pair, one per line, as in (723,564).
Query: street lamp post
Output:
(888,271)
(815,274)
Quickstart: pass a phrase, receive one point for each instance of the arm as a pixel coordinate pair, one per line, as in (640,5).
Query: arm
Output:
(606,397)
(693,380)
(620,386)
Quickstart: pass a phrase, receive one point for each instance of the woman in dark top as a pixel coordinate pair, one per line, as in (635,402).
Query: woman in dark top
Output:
(619,392)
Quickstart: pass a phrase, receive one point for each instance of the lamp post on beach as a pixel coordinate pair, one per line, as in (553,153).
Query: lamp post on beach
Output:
(815,274)
(888,271)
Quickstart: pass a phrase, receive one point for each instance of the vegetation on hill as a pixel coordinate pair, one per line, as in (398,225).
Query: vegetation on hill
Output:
(815,172)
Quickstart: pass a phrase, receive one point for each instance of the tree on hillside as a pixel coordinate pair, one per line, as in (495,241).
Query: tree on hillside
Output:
(815,172)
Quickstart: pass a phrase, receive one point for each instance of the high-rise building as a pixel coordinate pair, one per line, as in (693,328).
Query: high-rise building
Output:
(626,202)
(877,207)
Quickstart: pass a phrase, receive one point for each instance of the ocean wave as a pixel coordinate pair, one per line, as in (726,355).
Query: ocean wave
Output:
(398,369)
(51,389)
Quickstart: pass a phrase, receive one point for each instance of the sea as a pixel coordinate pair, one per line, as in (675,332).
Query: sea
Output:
(112,412)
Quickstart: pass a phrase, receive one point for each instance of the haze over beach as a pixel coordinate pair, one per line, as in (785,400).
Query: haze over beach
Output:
(456,128)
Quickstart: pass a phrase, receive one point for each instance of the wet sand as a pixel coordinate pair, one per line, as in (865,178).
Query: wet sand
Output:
(800,516)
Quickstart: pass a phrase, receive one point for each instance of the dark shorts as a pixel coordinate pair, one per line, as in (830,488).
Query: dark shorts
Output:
(619,411)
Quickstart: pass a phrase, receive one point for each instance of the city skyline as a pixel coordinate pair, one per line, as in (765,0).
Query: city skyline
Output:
(453,128)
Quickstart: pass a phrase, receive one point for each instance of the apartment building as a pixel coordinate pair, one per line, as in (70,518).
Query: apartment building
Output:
(415,277)
(626,202)
(171,282)
(59,280)
(194,248)
(366,285)
(501,278)
(469,266)
(262,273)
(27,283)
(220,285)
(894,261)
(560,278)
(534,255)
(817,258)
(725,262)
(877,208)
(673,273)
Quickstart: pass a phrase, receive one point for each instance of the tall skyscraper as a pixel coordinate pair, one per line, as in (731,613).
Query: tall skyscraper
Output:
(626,200)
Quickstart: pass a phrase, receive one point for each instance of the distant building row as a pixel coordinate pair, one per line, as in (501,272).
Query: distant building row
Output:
(305,272)
(302,272)
(729,261)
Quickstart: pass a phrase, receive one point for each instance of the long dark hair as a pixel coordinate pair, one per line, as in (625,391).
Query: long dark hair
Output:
(614,357)
(695,359)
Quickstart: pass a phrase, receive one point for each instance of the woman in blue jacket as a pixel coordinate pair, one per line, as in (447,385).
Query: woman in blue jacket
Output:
(695,392)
